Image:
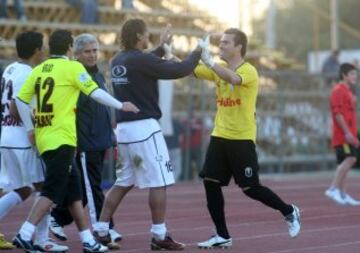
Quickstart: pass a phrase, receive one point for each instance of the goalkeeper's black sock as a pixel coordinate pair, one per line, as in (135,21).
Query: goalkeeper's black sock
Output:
(215,204)
(269,198)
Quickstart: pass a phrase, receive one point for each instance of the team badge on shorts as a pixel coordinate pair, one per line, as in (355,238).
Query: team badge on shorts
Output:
(248,172)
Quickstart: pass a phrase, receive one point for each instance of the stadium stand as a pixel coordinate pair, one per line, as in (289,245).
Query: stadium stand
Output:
(46,16)
(292,111)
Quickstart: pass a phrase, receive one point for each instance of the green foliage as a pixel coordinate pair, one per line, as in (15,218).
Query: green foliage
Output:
(296,22)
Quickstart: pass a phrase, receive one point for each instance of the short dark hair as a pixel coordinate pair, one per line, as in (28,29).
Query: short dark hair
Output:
(27,43)
(345,68)
(239,38)
(60,41)
(130,31)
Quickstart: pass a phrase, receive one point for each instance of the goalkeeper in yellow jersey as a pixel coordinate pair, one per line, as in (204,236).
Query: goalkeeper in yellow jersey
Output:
(232,151)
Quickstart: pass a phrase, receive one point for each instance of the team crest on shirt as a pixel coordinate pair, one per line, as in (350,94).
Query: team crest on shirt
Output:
(248,172)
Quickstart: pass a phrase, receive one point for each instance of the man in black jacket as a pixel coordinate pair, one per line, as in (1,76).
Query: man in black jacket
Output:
(95,136)
(144,159)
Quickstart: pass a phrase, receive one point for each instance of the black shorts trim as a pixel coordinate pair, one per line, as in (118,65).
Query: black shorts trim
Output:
(20,148)
(92,92)
(231,158)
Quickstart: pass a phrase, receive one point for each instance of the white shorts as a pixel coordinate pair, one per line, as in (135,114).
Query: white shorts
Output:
(19,168)
(145,164)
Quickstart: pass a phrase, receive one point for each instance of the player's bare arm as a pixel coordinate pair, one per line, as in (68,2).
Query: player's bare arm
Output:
(13,110)
(348,135)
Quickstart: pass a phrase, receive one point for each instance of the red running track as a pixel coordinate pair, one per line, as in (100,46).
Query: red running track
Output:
(326,227)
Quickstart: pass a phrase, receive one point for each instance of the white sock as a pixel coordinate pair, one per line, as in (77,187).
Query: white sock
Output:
(27,230)
(102,228)
(158,231)
(86,236)
(8,202)
(42,230)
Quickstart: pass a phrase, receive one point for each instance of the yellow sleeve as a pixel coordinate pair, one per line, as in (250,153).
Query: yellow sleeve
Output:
(27,90)
(248,75)
(82,79)
(203,72)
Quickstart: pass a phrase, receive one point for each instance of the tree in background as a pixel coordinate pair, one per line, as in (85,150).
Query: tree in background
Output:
(296,20)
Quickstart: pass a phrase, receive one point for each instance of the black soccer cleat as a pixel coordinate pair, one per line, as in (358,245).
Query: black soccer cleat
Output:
(22,244)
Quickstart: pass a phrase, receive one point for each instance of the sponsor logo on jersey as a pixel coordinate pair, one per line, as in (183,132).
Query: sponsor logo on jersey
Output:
(118,75)
(228,102)
(9,120)
(118,71)
(43,120)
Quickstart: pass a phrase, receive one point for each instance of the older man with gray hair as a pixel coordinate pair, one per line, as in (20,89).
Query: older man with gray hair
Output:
(95,136)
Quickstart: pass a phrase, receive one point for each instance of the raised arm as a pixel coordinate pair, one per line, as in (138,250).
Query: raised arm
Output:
(164,69)
(225,74)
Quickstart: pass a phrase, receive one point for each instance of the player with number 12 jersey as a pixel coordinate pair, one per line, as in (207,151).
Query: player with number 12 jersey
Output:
(55,114)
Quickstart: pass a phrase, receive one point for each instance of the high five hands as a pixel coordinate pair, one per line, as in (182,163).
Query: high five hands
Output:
(165,42)
(206,57)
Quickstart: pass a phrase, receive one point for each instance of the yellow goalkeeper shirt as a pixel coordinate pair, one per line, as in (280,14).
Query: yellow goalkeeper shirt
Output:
(56,83)
(236,105)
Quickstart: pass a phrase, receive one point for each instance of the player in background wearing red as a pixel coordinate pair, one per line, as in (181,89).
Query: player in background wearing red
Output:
(344,133)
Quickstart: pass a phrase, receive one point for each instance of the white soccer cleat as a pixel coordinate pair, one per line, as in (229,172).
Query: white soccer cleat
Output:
(215,241)
(350,200)
(50,246)
(95,248)
(293,221)
(115,236)
(57,230)
(335,195)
